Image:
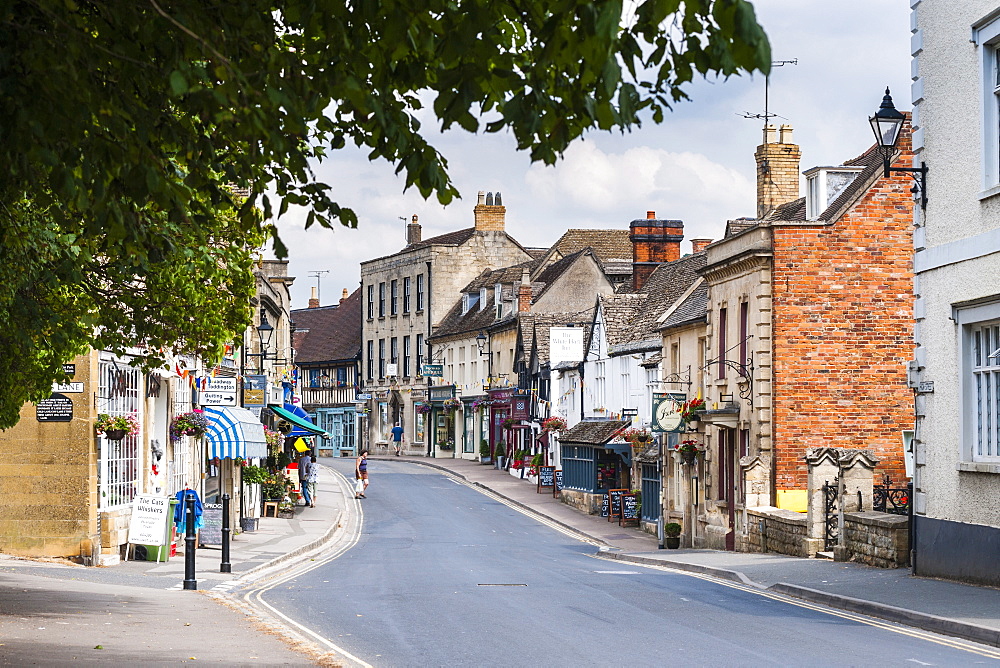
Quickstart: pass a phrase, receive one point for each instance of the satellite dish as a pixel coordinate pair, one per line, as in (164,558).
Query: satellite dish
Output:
(285,427)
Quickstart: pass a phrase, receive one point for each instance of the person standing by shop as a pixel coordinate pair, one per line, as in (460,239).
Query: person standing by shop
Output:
(310,484)
(305,463)
(361,475)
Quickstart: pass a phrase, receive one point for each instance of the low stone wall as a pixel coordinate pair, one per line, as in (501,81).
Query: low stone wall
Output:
(771,529)
(585,501)
(877,539)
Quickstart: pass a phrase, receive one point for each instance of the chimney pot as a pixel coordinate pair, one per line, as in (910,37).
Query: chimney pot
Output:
(769,133)
(489,199)
(496,199)
(343,295)
(698,245)
(313,299)
(650,215)
(482,198)
(413,231)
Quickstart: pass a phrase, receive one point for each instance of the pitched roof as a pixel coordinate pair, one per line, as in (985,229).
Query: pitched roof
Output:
(456,238)
(607,244)
(329,333)
(693,309)
(619,313)
(593,432)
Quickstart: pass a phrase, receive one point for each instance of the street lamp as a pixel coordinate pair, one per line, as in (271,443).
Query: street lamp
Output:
(887,123)
(264,333)
(486,348)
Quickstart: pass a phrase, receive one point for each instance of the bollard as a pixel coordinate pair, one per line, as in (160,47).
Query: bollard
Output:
(225,566)
(189,543)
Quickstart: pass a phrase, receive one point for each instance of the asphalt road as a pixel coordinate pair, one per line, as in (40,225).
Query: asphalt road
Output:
(442,574)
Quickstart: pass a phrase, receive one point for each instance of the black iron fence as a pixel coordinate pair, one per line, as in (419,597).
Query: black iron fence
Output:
(890,499)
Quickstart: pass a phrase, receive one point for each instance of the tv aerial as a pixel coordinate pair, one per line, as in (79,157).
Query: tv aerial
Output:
(317,275)
(768,115)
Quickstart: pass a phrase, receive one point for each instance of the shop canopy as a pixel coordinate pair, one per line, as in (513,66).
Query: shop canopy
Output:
(301,424)
(234,432)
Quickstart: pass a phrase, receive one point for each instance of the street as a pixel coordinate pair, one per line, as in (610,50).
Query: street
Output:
(442,574)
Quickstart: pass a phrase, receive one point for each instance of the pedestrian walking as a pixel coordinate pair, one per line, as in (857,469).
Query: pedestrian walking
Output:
(311,479)
(361,475)
(397,437)
(305,462)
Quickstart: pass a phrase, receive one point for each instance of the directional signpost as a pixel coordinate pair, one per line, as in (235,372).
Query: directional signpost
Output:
(221,391)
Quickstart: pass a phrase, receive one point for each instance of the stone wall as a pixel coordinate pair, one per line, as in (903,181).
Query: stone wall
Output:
(876,539)
(585,501)
(771,529)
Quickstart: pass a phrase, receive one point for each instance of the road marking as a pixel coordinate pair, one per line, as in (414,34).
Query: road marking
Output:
(618,572)
(947,641)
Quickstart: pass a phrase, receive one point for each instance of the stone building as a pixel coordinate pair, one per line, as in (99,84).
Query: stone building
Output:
(809,326)
(956,372)
(405,296)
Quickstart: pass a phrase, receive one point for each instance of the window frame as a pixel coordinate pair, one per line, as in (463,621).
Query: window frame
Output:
(406,294)
(381,299)
(393,297)
(987,38)
(420,292)
(371,301)
(971,320)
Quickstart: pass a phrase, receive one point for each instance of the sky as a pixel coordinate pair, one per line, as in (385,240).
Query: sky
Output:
(697,166)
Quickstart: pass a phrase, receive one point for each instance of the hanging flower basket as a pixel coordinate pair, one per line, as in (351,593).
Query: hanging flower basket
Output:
(452,405)
(510,423)
(423,409)
(689,450)
(554,423)
(117,427)
(193,423)
(690,410)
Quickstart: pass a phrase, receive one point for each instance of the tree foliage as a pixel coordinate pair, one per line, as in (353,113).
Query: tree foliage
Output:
(124,123)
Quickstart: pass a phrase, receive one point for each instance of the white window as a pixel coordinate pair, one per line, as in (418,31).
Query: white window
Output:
(118,461)
(980,389)
(482,298)
(599,385)
(987,36)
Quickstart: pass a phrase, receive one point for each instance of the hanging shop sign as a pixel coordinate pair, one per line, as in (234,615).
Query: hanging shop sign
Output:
(254,390)
(432,370)
(57,408)
(442,392)
(519,406)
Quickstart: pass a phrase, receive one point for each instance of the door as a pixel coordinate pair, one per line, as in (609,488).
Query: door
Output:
(727,481)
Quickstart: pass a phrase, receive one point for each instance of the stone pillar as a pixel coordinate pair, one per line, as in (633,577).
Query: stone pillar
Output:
(857,472)
(824,467)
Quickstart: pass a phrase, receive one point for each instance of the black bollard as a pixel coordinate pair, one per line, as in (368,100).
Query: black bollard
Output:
(225,566)
(189,543)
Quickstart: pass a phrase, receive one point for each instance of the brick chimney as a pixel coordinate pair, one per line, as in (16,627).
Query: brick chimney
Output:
(343,295)
(412,231)
(489,213)
(777,170)
(654,242)
(524,293)
(313,299)
(698,245)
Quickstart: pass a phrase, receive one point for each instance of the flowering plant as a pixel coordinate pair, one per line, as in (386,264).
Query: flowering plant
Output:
(554,423)
(533,470)
(452,404)
(128,423)
(688,446)
(447,444)
(274,438)
(636,436)
(194,423)
(423,409)
(510,422)
(518,464)
(480,404)
(690,407)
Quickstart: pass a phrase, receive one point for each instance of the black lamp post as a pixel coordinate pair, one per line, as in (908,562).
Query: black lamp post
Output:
(486,348)
(887,124)
(264,333)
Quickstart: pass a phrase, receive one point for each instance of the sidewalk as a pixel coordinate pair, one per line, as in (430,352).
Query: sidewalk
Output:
(949,608)
(138,612)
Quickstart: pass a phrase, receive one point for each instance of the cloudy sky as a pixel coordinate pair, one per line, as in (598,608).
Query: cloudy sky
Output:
(697,166)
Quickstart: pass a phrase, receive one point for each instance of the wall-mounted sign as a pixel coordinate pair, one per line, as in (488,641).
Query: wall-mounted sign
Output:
(364,396)
(432,370)
(392,369)
(442,392)
(220,391)
(254,390)
(57,408)
(519,406)
(69,369)
(565,345)
(67,387)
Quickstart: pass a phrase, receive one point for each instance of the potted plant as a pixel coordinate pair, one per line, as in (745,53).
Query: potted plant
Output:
(484,452)
(688,449)
(509,423)
(447,444)
(116,427)
(499,454)
(274,439)
(452,405)
(554,423)
(423,408)
(672,535)
(193,423)
(690,409)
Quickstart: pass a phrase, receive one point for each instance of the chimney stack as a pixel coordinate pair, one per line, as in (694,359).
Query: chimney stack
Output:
(313,299)
(343,295)
(698,245)
(654,242)
(412,231)
(777,170)
(489,213)
(524,293)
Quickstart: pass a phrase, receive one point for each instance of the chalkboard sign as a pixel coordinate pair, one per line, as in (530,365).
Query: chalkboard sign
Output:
(616,502)
(546,477)
(558,483)
(630,510)
(605,506)
(211,530)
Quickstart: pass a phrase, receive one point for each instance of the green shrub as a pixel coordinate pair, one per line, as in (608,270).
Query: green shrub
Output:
(672,529)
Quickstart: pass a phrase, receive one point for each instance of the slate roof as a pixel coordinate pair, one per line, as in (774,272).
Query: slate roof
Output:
(620,312)
(664,287)
(535,331)
(693,309)
(607,244)
(456,238)
(593,432)
(455,322)
(334,332)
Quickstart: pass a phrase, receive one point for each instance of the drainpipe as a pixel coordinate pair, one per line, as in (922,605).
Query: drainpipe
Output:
(428,432)
(581,390)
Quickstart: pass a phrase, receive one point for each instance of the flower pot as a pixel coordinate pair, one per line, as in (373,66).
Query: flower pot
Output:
(115,434)
(485,460)
(672,542)
(688,457)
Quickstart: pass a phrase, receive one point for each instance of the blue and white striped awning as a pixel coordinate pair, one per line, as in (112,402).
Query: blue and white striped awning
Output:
(234,432)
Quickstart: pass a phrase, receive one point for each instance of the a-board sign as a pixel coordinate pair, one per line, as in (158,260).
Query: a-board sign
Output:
(211,530)
(605,505)
(57,408)
(546,477)
(558,483)
(630,510)
(616,501)
(150,519)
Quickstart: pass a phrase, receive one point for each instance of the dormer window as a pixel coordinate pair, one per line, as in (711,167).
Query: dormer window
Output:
(824,185)
(482,297)
(469,300)
(497,293)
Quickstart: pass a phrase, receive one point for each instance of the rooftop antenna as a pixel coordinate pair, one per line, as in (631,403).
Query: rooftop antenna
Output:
(767,115)
(317,274)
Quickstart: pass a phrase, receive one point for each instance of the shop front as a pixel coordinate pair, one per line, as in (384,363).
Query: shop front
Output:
(444,415)
(592,464)
(499,411)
